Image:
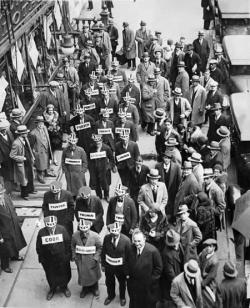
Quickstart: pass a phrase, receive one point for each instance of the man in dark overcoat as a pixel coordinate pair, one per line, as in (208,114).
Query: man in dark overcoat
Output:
(201,47)
(90,208)
(192,61)
(134,92)
(105,127)
(114,256)
(129,46)
(85,68)
(54,253)
(59,202)
(122,209)
(145,267)
(11,236)
(101,162)
(122,124)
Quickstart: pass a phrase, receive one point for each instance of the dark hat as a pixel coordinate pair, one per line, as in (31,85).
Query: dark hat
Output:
(217,106)
(172,238)
(190,47)
(218,166)
(125,24)
(39,119)
(143,23)
(181,64)
(183,208)
(201,33)
(210,241)
(139,159)
(170,42)
(158,32)
(202,196)
(22,129)
(153,174)
(178,45)
(191,268)
(84,190)
(145,55)
(223,131)
(230,270)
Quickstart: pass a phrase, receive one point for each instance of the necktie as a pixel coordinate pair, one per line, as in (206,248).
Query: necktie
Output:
(138,253)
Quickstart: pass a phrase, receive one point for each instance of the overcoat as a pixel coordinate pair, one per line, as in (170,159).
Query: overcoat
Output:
(88,265)
(74,173)
(148,104)
(129,46)
(41,148)
(214,124)
(133,134)
(135,93)
(133,149)
(198,100)
(7,165)
(182,82)
(203,50)
(144,275)
(185,108)
(108,139)
(143,39)
(163,92)
(143,72)
(225,147)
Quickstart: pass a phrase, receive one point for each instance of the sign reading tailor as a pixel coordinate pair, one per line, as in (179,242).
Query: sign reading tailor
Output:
(123,156)
(52,239)
(121,130)
(82,126)
(71,161)
(89,106)
(113,261)
(87,215)
(104,131)
(86,250)
(119,217)
(58,206)
(97,155)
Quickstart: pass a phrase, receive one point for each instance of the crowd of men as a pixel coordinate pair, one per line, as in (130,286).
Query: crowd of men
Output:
(163,221)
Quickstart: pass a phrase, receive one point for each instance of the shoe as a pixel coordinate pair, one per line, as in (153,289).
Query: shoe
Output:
(107,198)
(50,295)
(40,180)
(34,192)
(83,293)
(8,270)
(67,292)
(96,292)
(134,68)
(122,302)
(26,198)
(108,301)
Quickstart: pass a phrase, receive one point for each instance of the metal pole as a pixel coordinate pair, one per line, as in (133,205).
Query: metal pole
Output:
(54,34)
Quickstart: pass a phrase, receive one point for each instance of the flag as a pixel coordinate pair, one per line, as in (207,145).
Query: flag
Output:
(32,50)
(17,61)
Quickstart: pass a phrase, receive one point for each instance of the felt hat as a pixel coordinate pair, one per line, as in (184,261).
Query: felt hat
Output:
(22,129)
(55,186)
(159,113)
(39,119)
(2,189)
(195,157)
(217,106)
(218,50)
(53,83)
(208,173)
(177,91)
(50,221)
(187,165)
(178,45)
(4,124)
(16,113)
(153,174)
(59,76)
(120,190)
(172,238)
(143,23)
(181,64)
(158,32)
(189,47)
(191,268)
(168,154)
(210,241)
(151,78)
(223,131)
(214,145)
(195,78)
(213,61)
(157,71)
(183,208)
(72,139)
(145,55)
(229,270)
(84,191)
(171,142)
(84,224)
(201,33)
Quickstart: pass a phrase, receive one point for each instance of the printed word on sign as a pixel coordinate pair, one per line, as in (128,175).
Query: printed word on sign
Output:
(117,78)
(85,250)
(82,126)
(52,239)
(97,155)
(108,110)
(104,131)
(89,107)
(122,130)
(113,261)
(87,215)
(71,161)
(124,156)
(129,115)
(95,92)
(119,217)
(58,206)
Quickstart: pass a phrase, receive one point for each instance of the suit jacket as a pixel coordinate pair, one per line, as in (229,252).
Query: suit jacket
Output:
(143,72)
(133,135)
(146,198)
(134,92)
(198,100)
(181,295)
(173,183)
(216,195)
(203,50)
(107,138)
(72,77)
(213,98)
(185,107)
(58,101)
(129,212)
(190,62)
(137,180)
(163,137)
(182,82)
(163,92)
(163,67)
(84,71)
(132,114)
(7,166)
(133,149)
(214,125)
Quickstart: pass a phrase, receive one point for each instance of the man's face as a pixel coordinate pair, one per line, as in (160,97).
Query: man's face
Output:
(153,182)
(212,66)
(158,55)
(207,181)
(52,88)
(217,112)
(168,126)
(177,50)
(40,125)
(183,216)
(146,59)
(98,40)
(180,69)
(120,198)
(24,135)
(195,83)
(139,240)
(115,68)
(167,160)
(207,75)
(210,249)
(99,144)
(152,214)
(105,119)
(123,120)
(186,172)
(72,147)
(143,28)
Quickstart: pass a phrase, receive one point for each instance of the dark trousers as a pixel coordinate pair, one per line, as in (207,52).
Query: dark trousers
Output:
(110,275)
(113,52)
(73,95)
(4,256)
(125,175)
(24,191)
(131,62)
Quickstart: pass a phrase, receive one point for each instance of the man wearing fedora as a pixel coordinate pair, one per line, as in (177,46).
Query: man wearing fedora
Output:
(102,51)
(74,165)
(186,287)
(142,36)
(121,209)
(225,146)
(113,34)
(23,158)
(123,123)
(129,46)
(197,96)
(11,236)
(100,167)
(126,163)
(201,47)
(83,37)
(130,109)
(148,104)
(192,61)
(16,116)
(182,80)
(85,68)
(198,169)
(160,62)
(144,69)
(120,76)
(188,186)
(171,146)
(173,264)
(177,57)
(163,89)
(108,102)
(206,80)
(232,291)
(113,87)
(170,173)
(90,50)
(41,149)
(105,123)
(133,92)
(7,165)
(215,72)
(153,195)
(160,117)
(215,156)
(178,108)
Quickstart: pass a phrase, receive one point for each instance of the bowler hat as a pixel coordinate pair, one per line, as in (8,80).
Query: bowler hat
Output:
(151,78)
(157,71)
(54,83)
(16,113)
(201,33)
(210,241)
(223,131)
(191,268)
(230,270)
(145,55)
(153,174)
(4,124)
(171,142)
(183,208)
(195,157)
(190,47)
(187,165)
(214,145)
(172,238)
(21,129)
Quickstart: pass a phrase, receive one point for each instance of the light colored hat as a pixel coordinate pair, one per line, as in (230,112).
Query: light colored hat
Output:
(39,119)
(159,113)
(195,78)
(50,221)
(208,173)
(187,165)
(3,116)
(84,191)
(54,83)
(171,142)
(153,174)
(157,71)
(16,113)
(214,145)
(4,124)
(172,238)
(177,91)
(210,241)
(223,131)
(191,268)
(201,33)
(230,270)
(195,157)
(22,129)
(181,64)
(213,61)
(183,208)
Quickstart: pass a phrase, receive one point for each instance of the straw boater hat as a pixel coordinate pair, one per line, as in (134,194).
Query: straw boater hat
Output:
(191,268)
(22,129)
(229,270)
(223,131)
(172,238)
(177,92)
(55,186)
(4,124)
(16,113)
(214,145)
(153,174)
(50,221)
(187,165)
(195,78)
(171,142)
(195,157)
(97,137)
(210,241)
(183,208)
(208,173)
(72,139)
(54,83)
(159,113)
(151,78)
